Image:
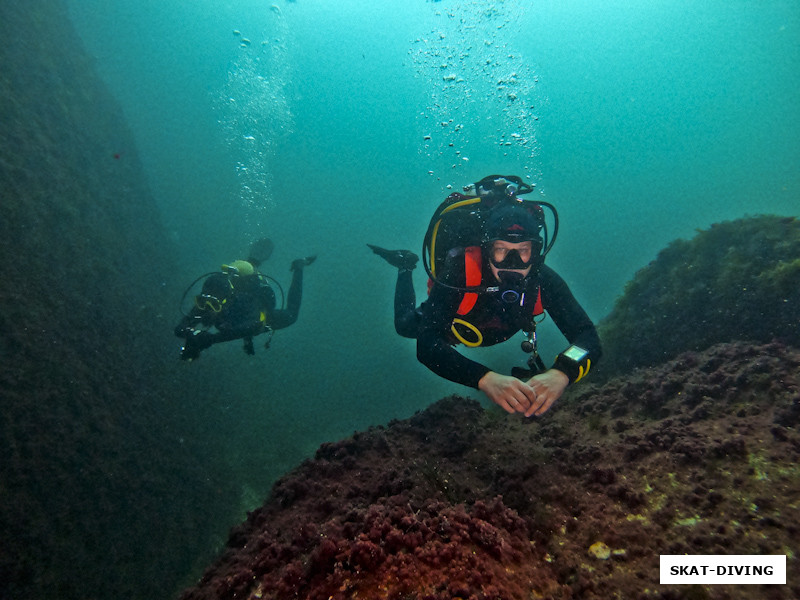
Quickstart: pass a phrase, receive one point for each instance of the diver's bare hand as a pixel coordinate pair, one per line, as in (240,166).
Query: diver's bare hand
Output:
(547,387)
(509,393)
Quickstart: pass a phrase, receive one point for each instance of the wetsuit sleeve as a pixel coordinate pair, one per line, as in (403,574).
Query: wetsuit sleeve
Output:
(569,316)
(435,345)
(284,317)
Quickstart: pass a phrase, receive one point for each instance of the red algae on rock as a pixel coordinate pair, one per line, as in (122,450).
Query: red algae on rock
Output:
(696,456)
(436,551)
(397,549)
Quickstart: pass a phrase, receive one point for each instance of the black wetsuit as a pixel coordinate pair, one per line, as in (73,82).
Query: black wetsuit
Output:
(239,308)
(497,320)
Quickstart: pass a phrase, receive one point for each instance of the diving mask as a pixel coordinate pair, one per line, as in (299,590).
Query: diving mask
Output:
(512,260)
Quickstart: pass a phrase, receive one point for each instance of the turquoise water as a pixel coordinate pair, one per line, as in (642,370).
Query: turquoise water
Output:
(329,125)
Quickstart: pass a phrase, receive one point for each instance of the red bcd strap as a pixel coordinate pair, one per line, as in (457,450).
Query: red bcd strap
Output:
(472,268)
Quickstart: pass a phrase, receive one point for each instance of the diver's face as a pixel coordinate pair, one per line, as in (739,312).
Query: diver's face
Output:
(502,250)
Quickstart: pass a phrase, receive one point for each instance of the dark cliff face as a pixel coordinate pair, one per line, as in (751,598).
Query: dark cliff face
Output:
(95,477)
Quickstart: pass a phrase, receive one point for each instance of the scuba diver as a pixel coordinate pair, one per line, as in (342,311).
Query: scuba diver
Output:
(484,254)
(238,302)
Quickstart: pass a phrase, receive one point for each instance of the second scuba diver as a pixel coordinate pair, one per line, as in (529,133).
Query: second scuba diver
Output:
(483,291)
(238,302)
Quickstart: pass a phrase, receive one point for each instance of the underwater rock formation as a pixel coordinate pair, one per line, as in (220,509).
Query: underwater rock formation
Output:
(698,456)
(94,475)
(737,280)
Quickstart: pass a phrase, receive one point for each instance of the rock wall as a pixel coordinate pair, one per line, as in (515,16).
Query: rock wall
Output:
(105,490)
(737,280)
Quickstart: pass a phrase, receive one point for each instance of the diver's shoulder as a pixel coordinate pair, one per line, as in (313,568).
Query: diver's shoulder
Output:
(547,273)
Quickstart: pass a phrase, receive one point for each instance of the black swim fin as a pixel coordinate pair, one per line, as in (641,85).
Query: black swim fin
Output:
(402,259)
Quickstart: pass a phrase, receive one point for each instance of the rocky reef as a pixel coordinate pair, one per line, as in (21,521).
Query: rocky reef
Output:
(698,455)
(737,280)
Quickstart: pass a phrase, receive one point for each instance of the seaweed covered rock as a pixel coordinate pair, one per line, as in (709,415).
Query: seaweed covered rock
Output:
(737,280)
(695,456)
(396,549)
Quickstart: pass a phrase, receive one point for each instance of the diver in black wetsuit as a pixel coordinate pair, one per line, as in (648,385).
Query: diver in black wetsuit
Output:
(239,303)
(515,287)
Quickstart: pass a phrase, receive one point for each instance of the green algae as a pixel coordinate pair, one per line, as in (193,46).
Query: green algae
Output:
(758,462)
(737,280)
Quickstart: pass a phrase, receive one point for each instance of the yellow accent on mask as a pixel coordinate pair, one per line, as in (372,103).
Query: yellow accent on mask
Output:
(204,301)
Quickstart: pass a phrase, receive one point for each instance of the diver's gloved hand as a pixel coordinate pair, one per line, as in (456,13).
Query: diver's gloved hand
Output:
(302,262)
(405,260)
(195,343)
